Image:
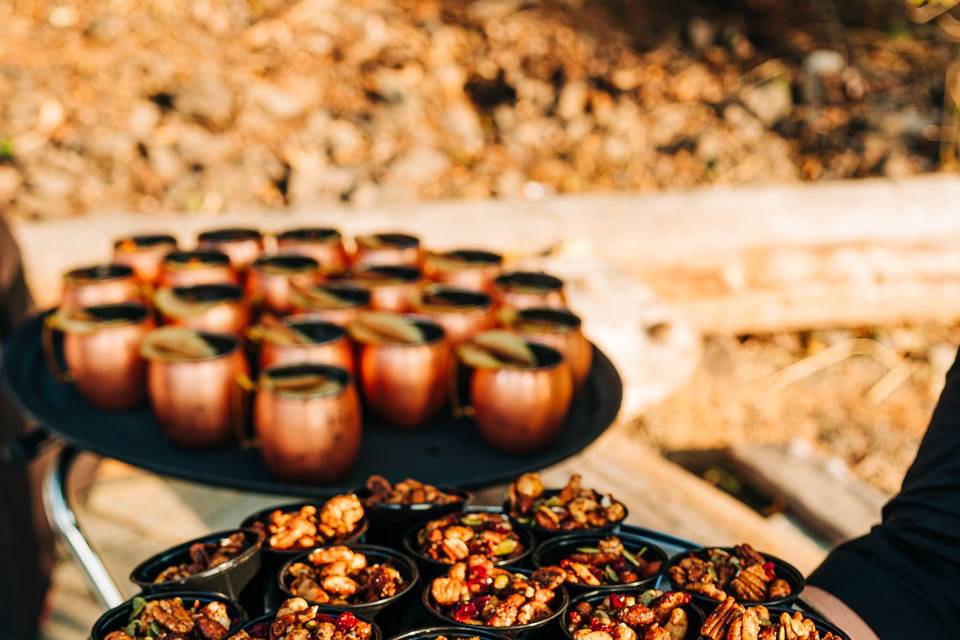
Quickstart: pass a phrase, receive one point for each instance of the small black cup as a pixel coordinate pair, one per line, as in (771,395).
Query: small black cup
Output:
(451,633)
(387,611)
(389,521)
(273,559)
(545,628)
(430,568)
(781,568)
(822,625)
(118,617)
(542,534)
(267,619)
(555,550)
(694,614)
(234,578)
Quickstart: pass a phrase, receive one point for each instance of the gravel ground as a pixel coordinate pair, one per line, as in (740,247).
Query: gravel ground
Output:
(869,409)
(205,105)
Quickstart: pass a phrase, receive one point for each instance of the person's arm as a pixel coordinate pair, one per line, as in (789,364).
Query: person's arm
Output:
(834,610)
(903,578)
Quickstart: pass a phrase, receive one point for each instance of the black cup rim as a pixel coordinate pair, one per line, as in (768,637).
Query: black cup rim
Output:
(136,312)
(782,569)
(311,234)
(433,333)
(534,279)
(258,516)
(691,608)
(292,262)
(580,539)
(398,559)
(100,628)
(205,256)
(407,274)
(211,292)
(396,239)
(230,234)
(544,533)
(475,257)
(822,623)
(423,508)
(410,538)
(541,351)
(333,331)
(140,577)
(355,295)
(560,610)
(342,376)
(100,272)
(563,319)
(477,299)
(454,633)
(271,616)
(147,240)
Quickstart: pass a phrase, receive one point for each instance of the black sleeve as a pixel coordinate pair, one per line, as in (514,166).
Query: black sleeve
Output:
(903,578)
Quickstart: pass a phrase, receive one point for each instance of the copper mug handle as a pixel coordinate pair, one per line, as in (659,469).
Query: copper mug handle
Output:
(239,413)
(457,406)
(50,352)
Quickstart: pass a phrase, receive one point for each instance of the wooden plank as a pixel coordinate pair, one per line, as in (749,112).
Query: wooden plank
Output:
(830,502)
(663,496)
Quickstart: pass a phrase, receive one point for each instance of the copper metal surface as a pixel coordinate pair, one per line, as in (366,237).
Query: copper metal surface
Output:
(405,385)
(100,284)
(105,362)
(308,438)
(197,401)
(521,410)
(241,245)
(323,244)
(144,253)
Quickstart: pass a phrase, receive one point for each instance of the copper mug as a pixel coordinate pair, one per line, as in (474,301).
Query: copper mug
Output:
(557,328)
(100,284)
(387,248)
(307,435)
(522,409)
(198,401)
(314,341)
(466,268)
(241,245)
(392,287)
(217,308)
(405,384)
(102,352)
(144,253)
(461,312)
(273,278)
(336,302)
(522,289)
(201,266)
(323,244)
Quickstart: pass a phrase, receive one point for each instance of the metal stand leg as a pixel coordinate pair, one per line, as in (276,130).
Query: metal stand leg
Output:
(56,503)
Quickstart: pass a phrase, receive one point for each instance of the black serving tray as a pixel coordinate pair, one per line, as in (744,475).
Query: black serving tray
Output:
(448,453)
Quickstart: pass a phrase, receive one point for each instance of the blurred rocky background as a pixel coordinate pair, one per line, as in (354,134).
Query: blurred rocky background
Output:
(210,105)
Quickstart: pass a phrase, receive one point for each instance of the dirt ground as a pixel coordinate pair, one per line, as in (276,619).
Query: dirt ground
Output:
(863,397)
(210,105)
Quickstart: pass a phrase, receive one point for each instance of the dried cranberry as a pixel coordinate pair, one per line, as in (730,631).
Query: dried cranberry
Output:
(768,569)
(346,621)
(465,612)
(618,601)
(575,617)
